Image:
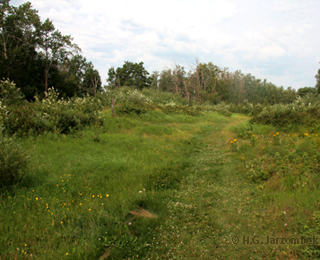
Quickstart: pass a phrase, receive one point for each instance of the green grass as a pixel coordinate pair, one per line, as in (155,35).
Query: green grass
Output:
(163,187)
(76,198)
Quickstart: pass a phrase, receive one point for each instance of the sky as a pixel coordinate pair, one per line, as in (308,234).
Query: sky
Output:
(276,40)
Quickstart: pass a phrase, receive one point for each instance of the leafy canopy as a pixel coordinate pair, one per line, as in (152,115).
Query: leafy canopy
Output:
(130,74)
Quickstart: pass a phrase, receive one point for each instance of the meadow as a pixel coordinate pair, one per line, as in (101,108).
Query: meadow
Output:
(160,182)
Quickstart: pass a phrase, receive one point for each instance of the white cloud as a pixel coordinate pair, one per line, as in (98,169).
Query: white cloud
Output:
(248,35)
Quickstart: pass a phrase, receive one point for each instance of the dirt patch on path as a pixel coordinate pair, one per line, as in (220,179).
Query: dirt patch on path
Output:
(142,213)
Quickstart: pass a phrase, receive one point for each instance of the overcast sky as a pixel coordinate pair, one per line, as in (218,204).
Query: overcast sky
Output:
(277,40)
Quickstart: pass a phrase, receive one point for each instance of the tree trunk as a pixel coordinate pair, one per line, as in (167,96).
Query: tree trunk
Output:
(5,53)
(95,85)
(46,75)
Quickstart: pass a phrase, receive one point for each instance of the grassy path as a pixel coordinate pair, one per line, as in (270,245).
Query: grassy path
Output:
(216,210)
(211,207)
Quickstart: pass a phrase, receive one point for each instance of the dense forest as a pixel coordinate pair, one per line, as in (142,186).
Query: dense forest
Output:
(36,56)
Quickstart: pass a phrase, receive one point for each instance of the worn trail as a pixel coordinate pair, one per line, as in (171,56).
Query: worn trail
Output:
(212,205)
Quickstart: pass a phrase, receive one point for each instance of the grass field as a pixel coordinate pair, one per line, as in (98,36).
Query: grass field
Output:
(165,187)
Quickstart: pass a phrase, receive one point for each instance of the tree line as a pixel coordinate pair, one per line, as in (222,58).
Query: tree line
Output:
(206,82)
(35,55)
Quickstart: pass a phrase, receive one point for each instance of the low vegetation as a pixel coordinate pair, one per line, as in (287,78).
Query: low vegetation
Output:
(158,180)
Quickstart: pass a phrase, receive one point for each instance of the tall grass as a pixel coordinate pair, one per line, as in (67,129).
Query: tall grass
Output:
(283,170)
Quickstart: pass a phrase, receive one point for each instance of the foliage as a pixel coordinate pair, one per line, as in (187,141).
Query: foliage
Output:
(142,108)
(51,114)
(306,91)
(296,159)
(284,171)
(148,96)
(207,83)
(164,98)
(54,48)
(166,80)
(79,78)
(18,30)
(222,109)
(130,74)
(301,112)
(9,94)
(36,56)
(92,81)
(13,162)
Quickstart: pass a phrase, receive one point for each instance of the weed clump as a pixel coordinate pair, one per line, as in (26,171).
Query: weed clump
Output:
(13,162)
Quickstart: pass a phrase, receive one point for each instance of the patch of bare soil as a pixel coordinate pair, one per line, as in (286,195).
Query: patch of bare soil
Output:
(142,213)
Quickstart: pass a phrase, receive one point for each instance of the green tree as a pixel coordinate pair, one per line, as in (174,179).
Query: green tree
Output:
(19,60)
(207,75)
(178,78)
(75,77)
(307,91)
(130,74)
(17,34)
(166,82)
(33,54)
(113,80)
(92,81)
(154,80)
(82,75)
(53,47)
(77,66)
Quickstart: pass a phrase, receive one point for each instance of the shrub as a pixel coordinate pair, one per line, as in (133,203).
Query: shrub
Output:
(149,96)
(13,162)
(140,108)
(9,94)
(73,119)
(165,98)
(301,112)
(51,114)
